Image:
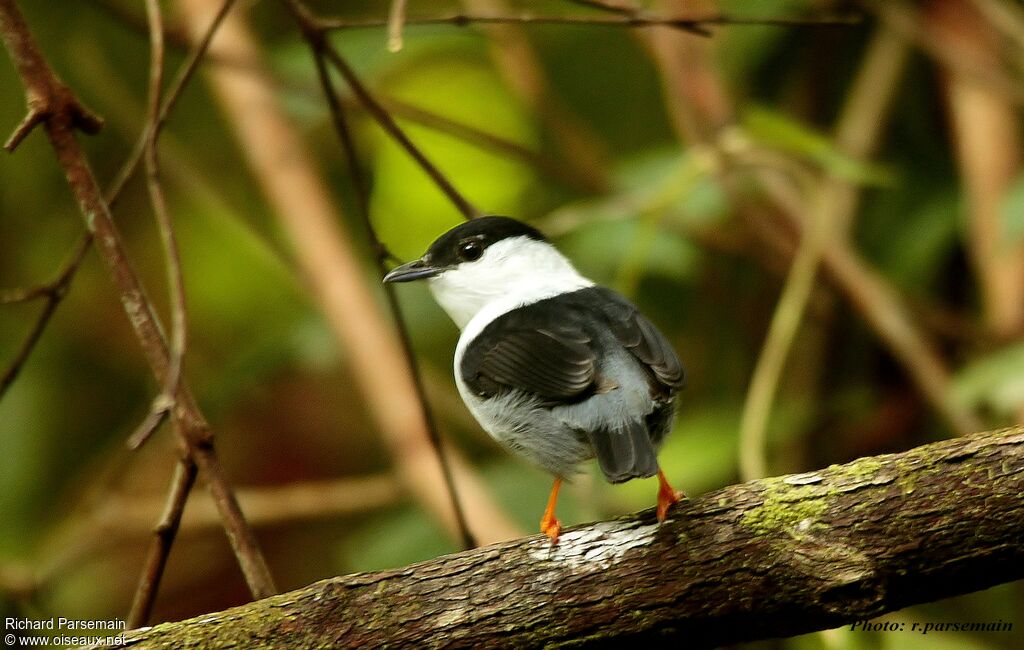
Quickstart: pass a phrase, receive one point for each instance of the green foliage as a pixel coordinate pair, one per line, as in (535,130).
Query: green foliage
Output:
(771,128)
(410,211)
(1013,214)
(683,228)
(995,381)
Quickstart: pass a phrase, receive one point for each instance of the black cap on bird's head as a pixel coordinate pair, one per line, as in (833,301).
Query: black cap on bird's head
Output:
(463,243)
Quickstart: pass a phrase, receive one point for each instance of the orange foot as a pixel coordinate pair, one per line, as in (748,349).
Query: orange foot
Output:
(549,523)
(666,496)
(552,528)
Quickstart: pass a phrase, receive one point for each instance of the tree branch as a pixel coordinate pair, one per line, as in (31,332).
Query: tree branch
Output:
(316,34)
(46,94)
(381,254)
(769,558)
(694,24)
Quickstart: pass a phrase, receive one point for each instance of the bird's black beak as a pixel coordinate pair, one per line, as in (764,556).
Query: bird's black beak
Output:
(414,270)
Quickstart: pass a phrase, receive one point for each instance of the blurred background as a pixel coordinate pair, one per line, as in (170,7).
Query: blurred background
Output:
(827,222)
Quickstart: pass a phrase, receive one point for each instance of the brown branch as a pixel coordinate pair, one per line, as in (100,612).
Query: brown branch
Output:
(56,290)
(382,255)
(396,21)
(765,559)
(329,261)
(164,534)
(315,32)
(44,92)
(685,23)
(165,402)
(53,293)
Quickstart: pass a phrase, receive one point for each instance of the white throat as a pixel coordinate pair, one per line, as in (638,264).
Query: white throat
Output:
(511,273)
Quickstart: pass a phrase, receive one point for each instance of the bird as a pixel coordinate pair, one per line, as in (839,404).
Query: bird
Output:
(554,367)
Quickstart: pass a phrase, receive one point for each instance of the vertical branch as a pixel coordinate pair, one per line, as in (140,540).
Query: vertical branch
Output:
(165,401)
(185,471)
(327,258)
(396,20)
(62,113)
(316,34)
(381,254)
(164,534)
(830,209)
(987,140)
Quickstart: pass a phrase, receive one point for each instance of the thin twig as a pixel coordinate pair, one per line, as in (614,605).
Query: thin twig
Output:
(626,10)
(388,123)
(56,290)
(160,546)
(830,209)
(165,401)
(64,116)
(396,21)
(686,23)
(185,471)
(53,293)
(174,92)
(381,256)
(314,30)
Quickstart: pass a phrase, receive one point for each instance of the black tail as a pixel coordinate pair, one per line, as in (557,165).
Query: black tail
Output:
(625,452)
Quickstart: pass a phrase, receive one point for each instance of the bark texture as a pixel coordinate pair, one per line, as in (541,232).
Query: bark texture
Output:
(768,558)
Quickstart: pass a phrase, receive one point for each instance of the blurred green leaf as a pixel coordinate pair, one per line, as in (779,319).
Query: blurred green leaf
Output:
(393,539)
(743,51)
(1013,213)
(775,129)
(408,208)
(911,250)
(995,380)
(599,250)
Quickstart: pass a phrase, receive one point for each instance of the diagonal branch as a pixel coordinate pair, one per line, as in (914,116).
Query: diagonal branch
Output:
(56,290)
(328,259)
(764,559)
(831,207)
(381,257)
(315,32)
(52,293)
(64,115)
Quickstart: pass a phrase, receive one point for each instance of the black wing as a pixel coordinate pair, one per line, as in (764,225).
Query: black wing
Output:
(548,348)
(550,360)
(642,338)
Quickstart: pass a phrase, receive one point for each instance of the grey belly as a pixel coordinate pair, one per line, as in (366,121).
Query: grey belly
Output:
(533,431)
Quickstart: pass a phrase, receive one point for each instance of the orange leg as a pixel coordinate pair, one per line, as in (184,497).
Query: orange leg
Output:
(666,496)
(548,523)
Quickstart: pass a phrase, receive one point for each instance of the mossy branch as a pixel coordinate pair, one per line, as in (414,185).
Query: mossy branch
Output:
(768,558)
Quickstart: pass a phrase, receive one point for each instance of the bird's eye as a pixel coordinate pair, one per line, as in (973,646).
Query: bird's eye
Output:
(470,250)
